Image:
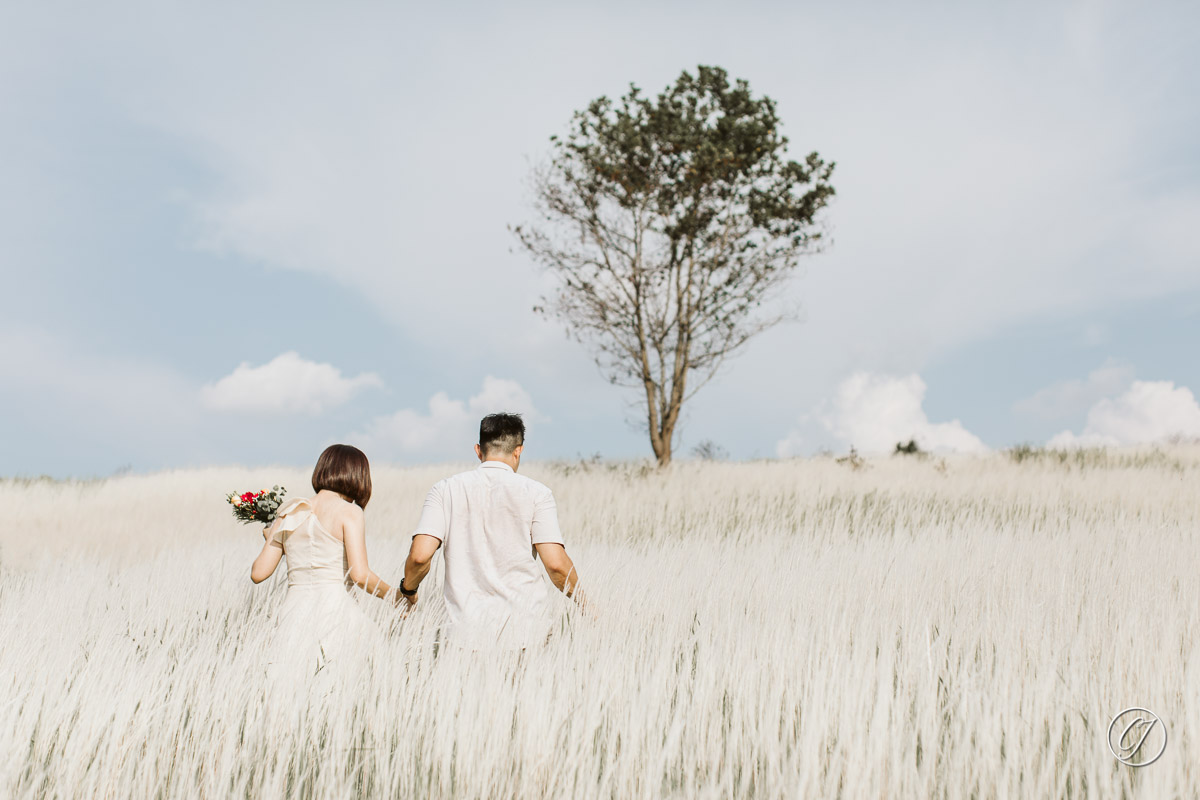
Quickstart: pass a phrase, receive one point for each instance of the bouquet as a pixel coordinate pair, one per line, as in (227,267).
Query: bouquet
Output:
(257,507)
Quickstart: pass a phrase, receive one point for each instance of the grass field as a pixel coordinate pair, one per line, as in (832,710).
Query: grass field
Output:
(911,628)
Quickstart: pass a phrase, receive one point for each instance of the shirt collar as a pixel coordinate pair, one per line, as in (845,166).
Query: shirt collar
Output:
(495,465)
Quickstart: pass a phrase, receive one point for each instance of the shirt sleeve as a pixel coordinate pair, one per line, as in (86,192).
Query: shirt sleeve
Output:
(545,528)
(433,520)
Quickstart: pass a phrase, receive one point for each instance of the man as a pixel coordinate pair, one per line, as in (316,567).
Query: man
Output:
(494,525)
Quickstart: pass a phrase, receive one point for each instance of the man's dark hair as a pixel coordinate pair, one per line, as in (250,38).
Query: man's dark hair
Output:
(501,433)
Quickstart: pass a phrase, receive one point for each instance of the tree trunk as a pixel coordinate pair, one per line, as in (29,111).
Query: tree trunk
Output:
(656,425)
(662,449)
(662,437)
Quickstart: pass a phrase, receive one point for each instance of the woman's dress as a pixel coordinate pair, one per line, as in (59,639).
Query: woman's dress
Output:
(321,632)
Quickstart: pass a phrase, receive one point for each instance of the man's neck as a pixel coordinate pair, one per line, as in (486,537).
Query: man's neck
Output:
(508,461)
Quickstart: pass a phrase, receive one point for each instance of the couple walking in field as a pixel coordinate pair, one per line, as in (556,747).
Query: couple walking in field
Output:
(493,526)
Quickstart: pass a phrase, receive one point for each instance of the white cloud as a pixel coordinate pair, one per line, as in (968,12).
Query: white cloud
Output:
(311,172)
(790,445)
(39,364)
(964,220)
(288,383)
(449,426)
(1071,397)
(874,412)
(1148,411)
(83,411)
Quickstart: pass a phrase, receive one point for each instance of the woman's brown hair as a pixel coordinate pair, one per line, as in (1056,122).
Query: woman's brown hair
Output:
(345,470)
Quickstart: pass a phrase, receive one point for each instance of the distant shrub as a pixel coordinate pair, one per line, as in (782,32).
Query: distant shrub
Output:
(708,450)
(1095,457)
(911,448)
(853,460)
(1024,452)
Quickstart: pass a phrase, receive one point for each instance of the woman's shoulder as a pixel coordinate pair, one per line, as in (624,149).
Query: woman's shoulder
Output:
(335,506)
(344,517)
(352,511)
(294,504)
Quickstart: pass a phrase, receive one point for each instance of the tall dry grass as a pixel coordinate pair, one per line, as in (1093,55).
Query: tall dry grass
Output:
(914,628)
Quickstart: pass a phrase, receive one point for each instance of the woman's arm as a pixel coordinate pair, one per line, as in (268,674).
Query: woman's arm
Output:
(268,530)
(354,536)
(264,566)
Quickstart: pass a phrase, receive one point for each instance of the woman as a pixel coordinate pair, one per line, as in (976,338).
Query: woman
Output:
(324,538)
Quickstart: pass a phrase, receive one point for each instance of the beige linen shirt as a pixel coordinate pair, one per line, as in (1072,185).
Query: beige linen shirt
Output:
(489,520)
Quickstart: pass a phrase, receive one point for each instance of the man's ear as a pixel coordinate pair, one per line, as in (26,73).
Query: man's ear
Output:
(517,451)
(479,452)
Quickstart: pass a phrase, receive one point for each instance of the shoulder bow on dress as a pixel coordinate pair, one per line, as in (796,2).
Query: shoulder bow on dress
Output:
(290,516)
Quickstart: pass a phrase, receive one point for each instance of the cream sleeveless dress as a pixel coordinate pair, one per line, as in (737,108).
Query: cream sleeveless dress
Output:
(321,631)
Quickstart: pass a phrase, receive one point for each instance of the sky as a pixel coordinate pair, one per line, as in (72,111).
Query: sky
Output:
(234,233)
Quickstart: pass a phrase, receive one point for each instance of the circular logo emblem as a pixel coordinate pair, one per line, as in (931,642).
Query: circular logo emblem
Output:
(1137,737)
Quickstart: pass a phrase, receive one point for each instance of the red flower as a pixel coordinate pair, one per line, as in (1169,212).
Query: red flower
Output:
(247,497)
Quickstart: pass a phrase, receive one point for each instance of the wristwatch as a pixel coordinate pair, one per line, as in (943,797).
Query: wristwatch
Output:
(406,592)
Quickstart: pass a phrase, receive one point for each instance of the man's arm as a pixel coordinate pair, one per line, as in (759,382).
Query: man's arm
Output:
(547,540)
(431,530)
(560,568)
(416,567)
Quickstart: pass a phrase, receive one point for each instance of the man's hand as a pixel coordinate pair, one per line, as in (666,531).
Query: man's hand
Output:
(561,569)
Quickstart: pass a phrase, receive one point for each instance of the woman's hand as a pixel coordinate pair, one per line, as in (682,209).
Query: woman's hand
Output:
(404,602)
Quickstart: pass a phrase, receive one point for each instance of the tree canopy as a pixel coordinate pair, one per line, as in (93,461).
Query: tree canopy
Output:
(669,222)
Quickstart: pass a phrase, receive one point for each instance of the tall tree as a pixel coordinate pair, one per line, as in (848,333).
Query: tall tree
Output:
(669,222)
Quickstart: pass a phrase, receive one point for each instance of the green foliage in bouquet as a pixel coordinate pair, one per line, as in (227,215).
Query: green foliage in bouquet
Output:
(258,506)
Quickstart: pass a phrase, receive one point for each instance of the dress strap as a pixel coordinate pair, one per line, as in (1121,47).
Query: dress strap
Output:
(290,516)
